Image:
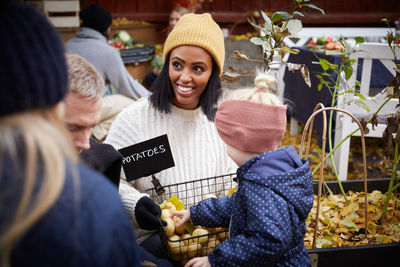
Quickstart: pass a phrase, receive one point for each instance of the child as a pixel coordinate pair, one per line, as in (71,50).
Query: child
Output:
(274,196)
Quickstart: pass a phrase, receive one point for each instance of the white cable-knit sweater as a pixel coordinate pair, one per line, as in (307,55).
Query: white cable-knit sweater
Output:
(196,147)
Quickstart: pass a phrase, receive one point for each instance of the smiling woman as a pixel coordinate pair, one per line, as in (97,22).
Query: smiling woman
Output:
(189,71)
(182,106)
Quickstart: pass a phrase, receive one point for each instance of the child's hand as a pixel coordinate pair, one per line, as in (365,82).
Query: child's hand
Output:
(185,214)
(199,262)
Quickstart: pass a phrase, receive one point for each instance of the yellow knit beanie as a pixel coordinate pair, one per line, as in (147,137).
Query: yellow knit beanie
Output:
(198,30)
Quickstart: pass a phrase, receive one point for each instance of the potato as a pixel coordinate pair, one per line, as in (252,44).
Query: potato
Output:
(169,206)
(223,235)
(193,250)
(199,232)
(181,229)
(172,245)
(186,242)
(212,243)
(170,228)
(165,213)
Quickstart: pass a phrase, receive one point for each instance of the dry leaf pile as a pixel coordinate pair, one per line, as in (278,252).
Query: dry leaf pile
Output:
(341,224)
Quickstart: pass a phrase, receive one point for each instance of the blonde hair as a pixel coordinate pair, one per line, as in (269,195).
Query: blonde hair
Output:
(83,77)
(264,85)
(32,143)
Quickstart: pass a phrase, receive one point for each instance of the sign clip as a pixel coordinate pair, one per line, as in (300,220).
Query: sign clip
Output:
(157,186)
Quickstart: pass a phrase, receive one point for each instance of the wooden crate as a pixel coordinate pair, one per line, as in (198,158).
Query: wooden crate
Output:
(62,14)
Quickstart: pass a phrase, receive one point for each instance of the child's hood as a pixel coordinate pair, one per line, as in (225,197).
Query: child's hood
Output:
(284,173)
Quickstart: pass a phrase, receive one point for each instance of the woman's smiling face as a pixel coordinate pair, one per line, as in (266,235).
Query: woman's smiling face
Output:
(190,68)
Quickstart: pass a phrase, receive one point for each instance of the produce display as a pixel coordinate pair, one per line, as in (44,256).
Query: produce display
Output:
(188,241)
(131,51)
(325,43)
(123,40)
(121,21)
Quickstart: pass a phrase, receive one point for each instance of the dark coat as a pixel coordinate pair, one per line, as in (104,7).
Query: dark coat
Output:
(87,226)
(266,215)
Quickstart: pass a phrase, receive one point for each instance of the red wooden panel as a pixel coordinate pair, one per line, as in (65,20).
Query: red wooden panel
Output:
(353,6)
(126,6)
(146,5)
(390,6)
(228,12)
(163,6)
(259,4)
(240,6)
(280,5)
(336,6)
(110,5)
(221,5)
(370,6)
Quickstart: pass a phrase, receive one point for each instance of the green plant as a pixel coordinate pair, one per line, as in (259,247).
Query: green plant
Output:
(272,32)
(344,71)
(276,28)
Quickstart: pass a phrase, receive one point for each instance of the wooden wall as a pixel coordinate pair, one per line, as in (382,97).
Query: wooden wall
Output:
(353,13)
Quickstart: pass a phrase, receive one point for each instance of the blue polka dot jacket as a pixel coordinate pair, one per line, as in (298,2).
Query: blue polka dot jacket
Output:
(266,215)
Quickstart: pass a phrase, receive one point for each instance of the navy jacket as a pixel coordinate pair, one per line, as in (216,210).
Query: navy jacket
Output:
(266,215)
(87,226)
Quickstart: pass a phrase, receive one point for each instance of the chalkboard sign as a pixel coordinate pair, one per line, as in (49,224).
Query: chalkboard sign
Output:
(146,158)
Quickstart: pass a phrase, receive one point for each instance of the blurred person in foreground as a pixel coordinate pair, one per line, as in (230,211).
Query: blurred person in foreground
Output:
(54,211)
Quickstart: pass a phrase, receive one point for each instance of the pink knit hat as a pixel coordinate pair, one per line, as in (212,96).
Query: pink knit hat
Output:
(249,126)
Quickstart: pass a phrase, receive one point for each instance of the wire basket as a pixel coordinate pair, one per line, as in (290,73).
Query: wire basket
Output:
(190,193)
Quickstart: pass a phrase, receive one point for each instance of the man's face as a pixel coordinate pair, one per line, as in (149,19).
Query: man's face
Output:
(81,115)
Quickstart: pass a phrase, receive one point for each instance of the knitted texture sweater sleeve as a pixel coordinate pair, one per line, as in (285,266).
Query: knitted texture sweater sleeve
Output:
(196,147)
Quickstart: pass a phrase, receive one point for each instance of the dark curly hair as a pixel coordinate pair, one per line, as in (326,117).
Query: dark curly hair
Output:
(161,99)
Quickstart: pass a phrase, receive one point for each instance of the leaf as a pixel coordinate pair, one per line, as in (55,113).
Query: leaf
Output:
(359,39)
(176,202)
(231,77)
(240,55)
(294,26)
(231,191)
(325,64)
(349,224)
(281,35)
(359,95)
(348,71)
(323,243)
(275,17)
(259,41)
(268,23)
(284,15)
(298,13)
(290,50)
(315,7)
(364,123)
(346,210)
(306,75)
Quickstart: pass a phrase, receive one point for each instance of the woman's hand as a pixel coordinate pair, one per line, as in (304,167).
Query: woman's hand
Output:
(198,262)
(184,214)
